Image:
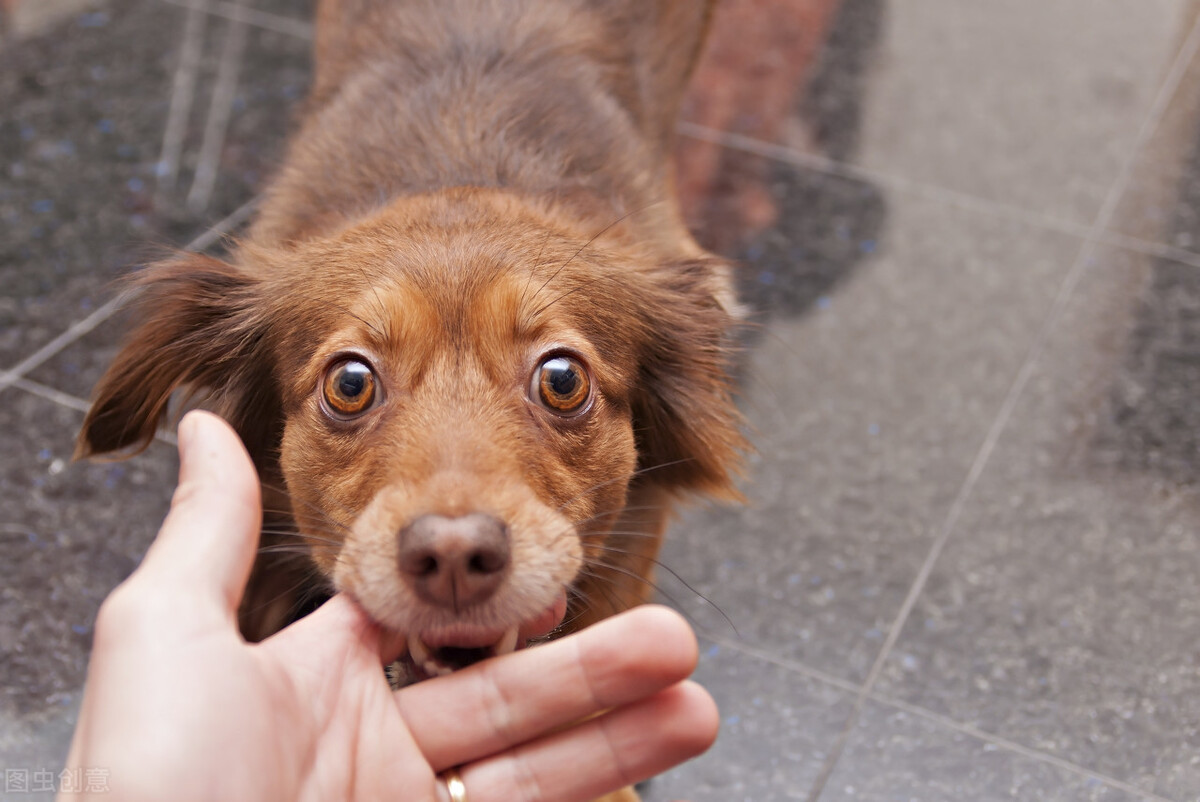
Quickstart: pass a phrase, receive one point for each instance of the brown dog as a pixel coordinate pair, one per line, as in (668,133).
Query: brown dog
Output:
(469,343)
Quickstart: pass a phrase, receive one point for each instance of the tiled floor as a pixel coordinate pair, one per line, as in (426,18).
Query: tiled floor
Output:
(969,568)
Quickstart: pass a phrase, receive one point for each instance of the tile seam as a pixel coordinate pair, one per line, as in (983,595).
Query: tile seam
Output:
(183,90)
(963,201)
(260,19)
(73,402)
(52,394)
(782,153)
(940,720)
(111,306)
(1014,747)
(1066,290)
(796,666)
(220,111)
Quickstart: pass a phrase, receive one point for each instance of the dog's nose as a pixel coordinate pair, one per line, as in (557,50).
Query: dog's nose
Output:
(454,562)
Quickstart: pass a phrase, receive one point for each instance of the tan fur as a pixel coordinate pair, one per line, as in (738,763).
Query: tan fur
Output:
(476,184)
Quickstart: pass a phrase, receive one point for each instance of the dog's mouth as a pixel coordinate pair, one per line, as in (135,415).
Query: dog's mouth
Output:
(438,652)
(460,651)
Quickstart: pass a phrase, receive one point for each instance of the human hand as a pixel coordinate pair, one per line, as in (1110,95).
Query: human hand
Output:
(178,706)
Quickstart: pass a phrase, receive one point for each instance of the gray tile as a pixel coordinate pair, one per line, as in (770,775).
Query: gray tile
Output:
(79,175)
(776,729)
(36,747)
(274,78)
(867,410)
(79,136)
(1031,103)
(1063,613)
(79,366)
(292,9)
(895,756)
(69,532)
(23,20)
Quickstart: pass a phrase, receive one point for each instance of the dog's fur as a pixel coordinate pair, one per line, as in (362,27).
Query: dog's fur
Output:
(476,185)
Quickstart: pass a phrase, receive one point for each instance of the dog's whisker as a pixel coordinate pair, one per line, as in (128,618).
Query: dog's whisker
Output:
(574,289)
(384,317)
(304,536)
(640,472)
(281,515)
(326,527)
(605,585)
(534,266)
(618,511)
(656,587)
(679,579)
(360,319)
(310,506)
(303,590)
(594,237)
(292,548)
(320,511)
(576,600)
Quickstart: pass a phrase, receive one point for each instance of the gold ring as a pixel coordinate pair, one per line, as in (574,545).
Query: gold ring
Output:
(454,785)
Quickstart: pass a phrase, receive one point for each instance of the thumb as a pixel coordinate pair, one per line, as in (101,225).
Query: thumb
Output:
(207,543)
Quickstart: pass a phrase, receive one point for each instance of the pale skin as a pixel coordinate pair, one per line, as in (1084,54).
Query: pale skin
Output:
(178,706)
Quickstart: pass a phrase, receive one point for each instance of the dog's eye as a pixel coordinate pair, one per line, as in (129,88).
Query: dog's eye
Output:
(349,388)
(561,385)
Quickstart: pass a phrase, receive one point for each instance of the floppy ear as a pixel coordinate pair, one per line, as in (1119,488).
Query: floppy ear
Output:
(687,427)
(200,328)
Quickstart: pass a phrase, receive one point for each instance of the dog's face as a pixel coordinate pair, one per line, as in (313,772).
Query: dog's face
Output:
(458,395)
(462,427)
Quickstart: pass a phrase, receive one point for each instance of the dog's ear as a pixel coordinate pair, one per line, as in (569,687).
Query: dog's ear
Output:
(200,329)
(687,427)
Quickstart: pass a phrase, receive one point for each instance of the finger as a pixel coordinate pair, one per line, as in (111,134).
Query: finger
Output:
(506,701)
(207,543)
(601,755)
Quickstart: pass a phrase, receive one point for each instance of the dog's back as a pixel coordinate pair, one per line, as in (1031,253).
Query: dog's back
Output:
(570,99)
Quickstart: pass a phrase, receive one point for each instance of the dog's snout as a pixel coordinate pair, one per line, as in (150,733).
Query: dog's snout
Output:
(454,562)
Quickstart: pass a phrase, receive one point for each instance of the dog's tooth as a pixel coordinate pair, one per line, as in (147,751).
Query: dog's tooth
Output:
(435,669)
(418,649)
(507,642)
